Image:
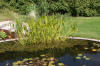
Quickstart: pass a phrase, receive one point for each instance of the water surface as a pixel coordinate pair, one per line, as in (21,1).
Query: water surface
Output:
(90,49)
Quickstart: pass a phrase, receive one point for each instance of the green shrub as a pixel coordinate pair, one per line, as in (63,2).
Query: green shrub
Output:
(3,35)
(19,6)
(83,7)
(48,7)
(43,7)
(60,6)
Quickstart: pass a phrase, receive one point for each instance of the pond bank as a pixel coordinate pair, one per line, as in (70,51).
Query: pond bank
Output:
(80,38)
(7,25)
(84,39)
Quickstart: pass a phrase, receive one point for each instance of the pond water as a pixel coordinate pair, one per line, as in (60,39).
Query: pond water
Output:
(77,53)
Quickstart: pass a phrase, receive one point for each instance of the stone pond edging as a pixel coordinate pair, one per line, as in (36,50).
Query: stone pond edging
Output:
(79,38)
(8,40)
(7,25)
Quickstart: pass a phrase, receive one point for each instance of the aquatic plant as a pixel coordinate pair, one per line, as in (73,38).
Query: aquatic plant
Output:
(80,56)
(3,35)
(43,60)
(43,32)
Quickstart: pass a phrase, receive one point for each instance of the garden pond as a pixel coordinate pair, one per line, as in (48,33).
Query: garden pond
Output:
(76,53)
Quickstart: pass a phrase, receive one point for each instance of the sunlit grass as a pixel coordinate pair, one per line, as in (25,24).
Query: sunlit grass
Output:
(88,27)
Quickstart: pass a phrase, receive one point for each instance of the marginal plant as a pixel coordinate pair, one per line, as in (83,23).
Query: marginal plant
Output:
(42,32)
(3,35)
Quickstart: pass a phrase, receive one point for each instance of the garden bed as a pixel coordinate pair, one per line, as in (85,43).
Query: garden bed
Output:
(9,34)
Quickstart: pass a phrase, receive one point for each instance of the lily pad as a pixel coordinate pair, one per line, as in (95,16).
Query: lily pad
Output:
(87,58)
(51,62)
(26,59)
(44,59)
(84,56)
(86,48)
(42,55)
(52,59)
(78,57)
(94,50)
(60,64)
(30,59)
(84,65)
(79,54)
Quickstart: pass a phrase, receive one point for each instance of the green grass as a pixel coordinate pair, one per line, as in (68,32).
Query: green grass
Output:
(88,27)
(3,18)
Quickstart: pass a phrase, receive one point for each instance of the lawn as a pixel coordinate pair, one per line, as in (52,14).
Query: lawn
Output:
(88,27)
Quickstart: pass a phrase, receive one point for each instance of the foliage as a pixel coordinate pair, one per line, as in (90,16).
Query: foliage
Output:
(60,6)
(72,7)
(44,31)
(20,6)
(42,6)
(83,7)
(43,60)
(3,35)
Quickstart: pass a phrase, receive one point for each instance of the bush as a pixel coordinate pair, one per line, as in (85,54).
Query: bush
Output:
(60,6)
(43,7)
(72,7)
(19,6)
(3,35)
(82,7)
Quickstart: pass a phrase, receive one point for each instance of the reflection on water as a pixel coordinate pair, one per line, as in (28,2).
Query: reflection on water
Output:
(73,55)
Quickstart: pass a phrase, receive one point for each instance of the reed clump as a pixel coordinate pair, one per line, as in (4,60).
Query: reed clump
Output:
(43,32)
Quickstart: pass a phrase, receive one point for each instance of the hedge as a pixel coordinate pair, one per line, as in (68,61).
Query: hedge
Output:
(72,7)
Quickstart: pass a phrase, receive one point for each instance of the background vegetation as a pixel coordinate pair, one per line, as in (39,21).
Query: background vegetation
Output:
(69,7)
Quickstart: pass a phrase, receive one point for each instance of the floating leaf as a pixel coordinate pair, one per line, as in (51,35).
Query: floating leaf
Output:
(87,58)
(78,57)
(25,59)
(84,65)
(52,59)
(84,56)
(93,50)
(15,64)
(30,62)
(42,55)
(44,59)
(19,62)
(30,59)
(51,65)
(37,58)
(60,64)
(79,54)
(51,62)
(86,48)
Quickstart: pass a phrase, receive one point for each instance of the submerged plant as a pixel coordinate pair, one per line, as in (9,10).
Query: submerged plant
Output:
(42,32)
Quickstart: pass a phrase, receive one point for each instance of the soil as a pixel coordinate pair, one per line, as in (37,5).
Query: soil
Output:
(10,35)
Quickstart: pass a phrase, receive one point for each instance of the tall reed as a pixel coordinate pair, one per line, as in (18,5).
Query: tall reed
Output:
(41,32)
